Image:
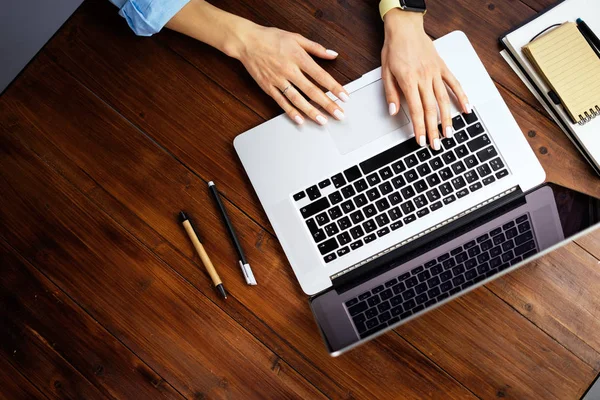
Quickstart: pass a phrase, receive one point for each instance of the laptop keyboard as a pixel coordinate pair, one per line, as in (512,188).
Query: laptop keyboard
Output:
(442,277)
(396,187)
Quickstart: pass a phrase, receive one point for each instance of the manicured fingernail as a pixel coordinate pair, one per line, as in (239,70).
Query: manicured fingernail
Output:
(449,132)
(339,115)
(321,120)
(392,109)
(436,144)
(343,97)
(299,120)
(422,141)
(468,108)
(331,52)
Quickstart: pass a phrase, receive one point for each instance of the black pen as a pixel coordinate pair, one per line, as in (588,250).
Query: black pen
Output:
(589,35)
(246,270)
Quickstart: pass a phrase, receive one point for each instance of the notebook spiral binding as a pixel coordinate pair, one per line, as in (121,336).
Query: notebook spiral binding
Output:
(584,119)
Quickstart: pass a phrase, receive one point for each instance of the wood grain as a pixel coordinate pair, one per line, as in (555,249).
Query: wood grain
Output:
(16,386)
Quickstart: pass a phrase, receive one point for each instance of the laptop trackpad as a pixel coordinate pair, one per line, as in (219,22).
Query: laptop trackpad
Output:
(367,119)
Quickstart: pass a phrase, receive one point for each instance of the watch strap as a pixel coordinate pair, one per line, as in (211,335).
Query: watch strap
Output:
(387,5)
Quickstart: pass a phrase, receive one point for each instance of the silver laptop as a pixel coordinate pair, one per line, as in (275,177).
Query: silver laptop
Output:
(379,230)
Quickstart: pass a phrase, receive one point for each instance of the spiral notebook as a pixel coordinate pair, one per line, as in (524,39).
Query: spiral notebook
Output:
(570,67)
(585,135)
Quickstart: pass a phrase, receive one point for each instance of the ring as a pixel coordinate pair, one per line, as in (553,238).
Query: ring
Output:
(286,89)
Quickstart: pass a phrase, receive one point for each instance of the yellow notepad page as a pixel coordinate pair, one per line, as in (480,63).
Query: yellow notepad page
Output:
(570,66)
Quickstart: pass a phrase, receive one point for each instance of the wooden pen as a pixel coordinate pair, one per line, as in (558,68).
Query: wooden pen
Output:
(210,268)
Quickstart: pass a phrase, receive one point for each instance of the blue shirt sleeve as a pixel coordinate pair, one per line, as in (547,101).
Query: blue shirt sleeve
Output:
(147,17)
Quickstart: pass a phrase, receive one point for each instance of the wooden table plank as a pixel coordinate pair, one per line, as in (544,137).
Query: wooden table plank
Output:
(154,191)
(591,243)
(138,298)
(32,303)
(14,385)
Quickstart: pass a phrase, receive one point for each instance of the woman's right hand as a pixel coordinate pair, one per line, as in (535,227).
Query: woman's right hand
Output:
(280,62)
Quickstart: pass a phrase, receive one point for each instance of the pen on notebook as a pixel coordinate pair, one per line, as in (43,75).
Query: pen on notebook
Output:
(210,268)
(246,270)
(589,35)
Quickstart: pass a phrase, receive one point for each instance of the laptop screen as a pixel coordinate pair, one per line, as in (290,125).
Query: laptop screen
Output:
(491,243)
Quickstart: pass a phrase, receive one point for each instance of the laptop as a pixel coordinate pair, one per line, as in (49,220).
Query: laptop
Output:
(379,230)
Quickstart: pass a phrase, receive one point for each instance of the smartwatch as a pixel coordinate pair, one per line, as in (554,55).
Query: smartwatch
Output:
(407,5)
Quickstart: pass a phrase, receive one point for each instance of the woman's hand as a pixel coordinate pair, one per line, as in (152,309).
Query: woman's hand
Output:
(280,62)
(410,63)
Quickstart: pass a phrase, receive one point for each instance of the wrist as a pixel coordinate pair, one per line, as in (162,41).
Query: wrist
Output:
(237,36)
(401,19)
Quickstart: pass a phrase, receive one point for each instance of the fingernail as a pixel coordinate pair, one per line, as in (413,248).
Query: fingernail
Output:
(392,109)
(343,97)
(331,52)
(339,115)
(299,120)
(469,109)
(436,144)
(422,141)
(449,132)
(321,120)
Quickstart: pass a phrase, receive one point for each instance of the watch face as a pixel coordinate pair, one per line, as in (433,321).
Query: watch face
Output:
(418,4)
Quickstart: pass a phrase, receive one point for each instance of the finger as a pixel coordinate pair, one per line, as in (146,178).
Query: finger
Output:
(415,108)
(443,101)
(283,102)
(455,86)
(317,95)
(315,48)
(303,105)
(431,113)
(324,79)
(392,94)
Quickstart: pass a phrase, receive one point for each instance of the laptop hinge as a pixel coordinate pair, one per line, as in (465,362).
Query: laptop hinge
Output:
(407,249)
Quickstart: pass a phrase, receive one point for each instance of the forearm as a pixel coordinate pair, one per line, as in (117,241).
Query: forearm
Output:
(206,23)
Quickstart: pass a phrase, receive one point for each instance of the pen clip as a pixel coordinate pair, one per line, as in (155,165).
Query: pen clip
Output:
(248,273)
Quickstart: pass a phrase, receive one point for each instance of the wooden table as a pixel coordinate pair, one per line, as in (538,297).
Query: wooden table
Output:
(106,136)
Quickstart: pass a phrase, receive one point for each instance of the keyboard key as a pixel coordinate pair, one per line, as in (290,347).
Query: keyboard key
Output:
(423,170)
(378,289)
(391,282)
(369,238)
(471,176)
(418,270)
(485,246)
(358,308)
(411,176)
(399,288)
(328,246)
(409,294)
(436,163)
(484,170)
(459,280)
(383,232)
(343,251)
(486,154)
(361,185)
(373,179)
(458,167)
(508,225)
(312,226)
(357,232)
(348,191)
(344,223)
(433,282)
(398,167)
(407,192)
(314,208)
(470,118)
(433,180)
(461,136)
(349,304)
(496,164)
(407,207)
(471,161)
(398,182)
(478,143)
(525,237)
(370,211)
(422,298)
(373,194)
(385,188)
(348,206)
(364,296)
(338,180)
(335,197)
(423,154)
(462,193)
(396,225)
(390,155)
(473,251)
(395,213)
(501,174)
(420,186)
(357,217)
(458,123)
(382,204)
(445,276)
(299,196)
(458,182)
(435,206)
(385,173)
(324,184)
(384,306)
(524,248)
(476,186)
(446,173)
(475,130)
(446,189)
(313,192)
(356,245)
(461,151)
(423,276)
(522,218)
(395,198)
(433,195)
(511,233)
(331,229)
(322,218)
(449,199)
(495,231)
(382,220)
(335,212)
(344,238)
(371,313)
(422,212)
(369,226)
(352,173)
(490,179)
(360,200)
(411,218)
(420,201)
(448,143)
(411,161)
(448,158)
